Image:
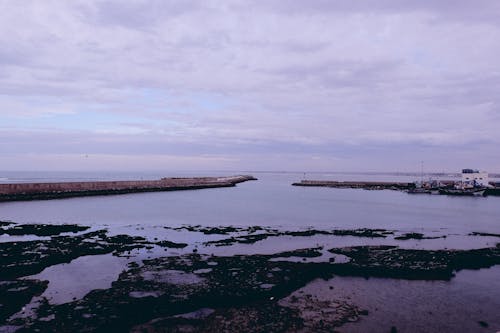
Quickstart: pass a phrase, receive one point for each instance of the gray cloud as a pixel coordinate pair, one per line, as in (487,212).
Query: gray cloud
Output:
(240,78)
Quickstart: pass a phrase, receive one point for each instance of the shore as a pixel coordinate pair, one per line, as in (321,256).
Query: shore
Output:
(45,191)
(166,285)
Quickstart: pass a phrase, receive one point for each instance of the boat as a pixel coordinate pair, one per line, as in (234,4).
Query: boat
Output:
(418,190)
(476,192)
(479,193)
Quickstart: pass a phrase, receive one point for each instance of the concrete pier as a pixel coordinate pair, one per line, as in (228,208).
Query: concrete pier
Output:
(41,191)
(357,184)
(400,186)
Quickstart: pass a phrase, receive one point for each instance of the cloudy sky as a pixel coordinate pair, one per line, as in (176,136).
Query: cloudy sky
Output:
(250,85)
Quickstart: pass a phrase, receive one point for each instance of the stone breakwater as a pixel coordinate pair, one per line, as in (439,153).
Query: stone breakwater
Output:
(398,186)
(42,191)
(354,184)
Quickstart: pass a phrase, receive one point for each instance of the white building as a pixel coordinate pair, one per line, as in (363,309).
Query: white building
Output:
(471,178)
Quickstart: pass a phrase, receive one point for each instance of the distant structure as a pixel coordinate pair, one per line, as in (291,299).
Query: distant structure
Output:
(474,178)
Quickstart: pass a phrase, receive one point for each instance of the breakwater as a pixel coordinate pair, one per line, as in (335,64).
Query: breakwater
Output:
(356,184)
(43,191)
(398,186)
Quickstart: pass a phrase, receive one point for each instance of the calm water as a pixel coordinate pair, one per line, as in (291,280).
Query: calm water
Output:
(271,201)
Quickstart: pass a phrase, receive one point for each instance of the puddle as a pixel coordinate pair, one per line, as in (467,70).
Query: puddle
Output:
(22,238)
(142,294)
(75,279)
(266,285)
(198,314)
(9,328)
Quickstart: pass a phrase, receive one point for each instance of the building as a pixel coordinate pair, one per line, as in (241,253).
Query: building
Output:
(473,178)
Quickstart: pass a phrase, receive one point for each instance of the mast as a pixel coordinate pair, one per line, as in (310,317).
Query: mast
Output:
(422,172)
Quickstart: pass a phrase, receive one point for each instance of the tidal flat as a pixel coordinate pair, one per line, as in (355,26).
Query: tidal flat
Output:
(162,285)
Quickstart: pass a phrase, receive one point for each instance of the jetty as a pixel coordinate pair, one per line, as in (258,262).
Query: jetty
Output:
(443,187)
(57,190)
(357,184)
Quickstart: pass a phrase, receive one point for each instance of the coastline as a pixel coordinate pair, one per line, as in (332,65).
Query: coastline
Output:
(164,285)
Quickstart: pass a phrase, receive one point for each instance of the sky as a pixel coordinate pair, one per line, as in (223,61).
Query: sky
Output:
(317,85)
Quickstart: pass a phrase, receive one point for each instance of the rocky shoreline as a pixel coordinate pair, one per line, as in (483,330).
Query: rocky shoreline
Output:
(192,292)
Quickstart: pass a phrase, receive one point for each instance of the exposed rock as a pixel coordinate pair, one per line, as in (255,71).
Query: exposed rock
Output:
(247,293)
(5,223)
(416,235)
(222,230)
(170,244)
(321,315)
(371,233)
(391,261)
(304,253)
(31,257)
(256,317)
(14,294)
(42,229)
(166,287)
(484,234)
(252,238)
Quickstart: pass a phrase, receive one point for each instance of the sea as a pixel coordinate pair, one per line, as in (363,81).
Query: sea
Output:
(465,303)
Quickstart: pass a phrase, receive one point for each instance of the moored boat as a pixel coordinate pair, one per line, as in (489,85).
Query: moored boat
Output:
(418,191)
(463,192)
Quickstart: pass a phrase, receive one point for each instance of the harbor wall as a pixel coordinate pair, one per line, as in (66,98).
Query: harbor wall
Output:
(355,184)
(33,191)
(493,191)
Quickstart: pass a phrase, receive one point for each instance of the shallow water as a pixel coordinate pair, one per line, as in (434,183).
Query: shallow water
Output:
(418,306)
(273,202)
(75,279)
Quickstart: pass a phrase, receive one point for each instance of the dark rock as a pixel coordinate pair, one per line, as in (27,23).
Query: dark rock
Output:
(42,229)
(252,238)
(31,257)
(371,233)
(171,287)
(14,294)
(483,234)
(171,245)
(416,235)
(247,239)
(306,233)
(391,261)
(5,223)
(305,253)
